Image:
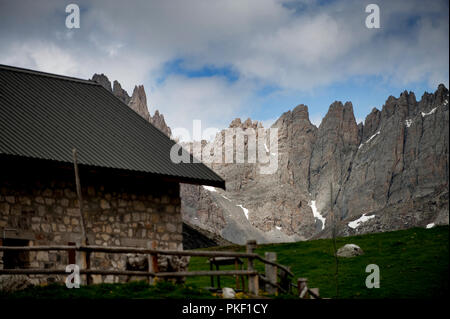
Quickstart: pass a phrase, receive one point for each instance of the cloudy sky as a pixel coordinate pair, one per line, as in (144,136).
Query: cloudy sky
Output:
(217,60)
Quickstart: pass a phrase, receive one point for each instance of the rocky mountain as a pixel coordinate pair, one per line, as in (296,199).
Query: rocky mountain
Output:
(390,172)
(137,101)
(121,93)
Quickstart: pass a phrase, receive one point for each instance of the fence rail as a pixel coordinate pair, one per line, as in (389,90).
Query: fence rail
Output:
(274,270)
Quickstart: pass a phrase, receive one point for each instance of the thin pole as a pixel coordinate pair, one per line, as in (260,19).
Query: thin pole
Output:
(84,257)
(333,218)
(84,239)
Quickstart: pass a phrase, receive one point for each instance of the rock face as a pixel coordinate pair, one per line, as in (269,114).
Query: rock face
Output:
(400,169)
(393,169)
(103,80)
(268,208)
(121,93)
(332,154)
(158,121)
(137,101)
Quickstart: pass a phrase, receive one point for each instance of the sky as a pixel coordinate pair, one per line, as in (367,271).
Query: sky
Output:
(218,60)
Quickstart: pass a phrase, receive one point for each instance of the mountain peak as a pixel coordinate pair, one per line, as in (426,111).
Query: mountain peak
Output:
(102,80)
(248,123)
(138,102)
(120,93)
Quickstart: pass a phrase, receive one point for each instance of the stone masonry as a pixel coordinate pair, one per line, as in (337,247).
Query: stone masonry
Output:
(43,209)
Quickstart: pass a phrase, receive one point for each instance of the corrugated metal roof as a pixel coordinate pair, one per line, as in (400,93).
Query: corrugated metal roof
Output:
(45,116)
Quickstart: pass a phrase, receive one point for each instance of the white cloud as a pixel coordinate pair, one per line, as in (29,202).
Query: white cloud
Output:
(212,100)
(268,123)
(292,45)
(42,56)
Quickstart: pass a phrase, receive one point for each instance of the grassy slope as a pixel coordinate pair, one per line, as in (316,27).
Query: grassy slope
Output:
(135,290)
(413,263)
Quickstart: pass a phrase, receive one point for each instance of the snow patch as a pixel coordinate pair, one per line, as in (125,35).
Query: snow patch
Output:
(370,138)
(434,110)
(429,113)
(430,226)
(267,150)
(408,122)
(317,214)
(278,227)
(210,188)
(356,223)
(244,209)
(226,198)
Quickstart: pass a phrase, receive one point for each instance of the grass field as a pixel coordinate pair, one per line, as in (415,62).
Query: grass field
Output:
(413,263)
(135,290)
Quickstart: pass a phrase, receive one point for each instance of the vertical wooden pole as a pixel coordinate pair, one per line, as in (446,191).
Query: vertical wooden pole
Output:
(83,258)
(1,252)
(302,286)
(80,197)
(211,260)
(253,282)
(271,272)
(152,262)
(218,277)
(236,267)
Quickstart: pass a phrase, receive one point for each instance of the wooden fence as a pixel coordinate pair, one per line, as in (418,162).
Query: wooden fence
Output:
(276,278)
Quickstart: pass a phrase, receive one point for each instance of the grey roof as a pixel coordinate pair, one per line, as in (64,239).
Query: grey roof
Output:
(45,116)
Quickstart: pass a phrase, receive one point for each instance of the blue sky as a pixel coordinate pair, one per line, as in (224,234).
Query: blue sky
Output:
(218,60)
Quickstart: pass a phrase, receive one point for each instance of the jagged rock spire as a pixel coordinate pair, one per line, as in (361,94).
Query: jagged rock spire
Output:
(138,101)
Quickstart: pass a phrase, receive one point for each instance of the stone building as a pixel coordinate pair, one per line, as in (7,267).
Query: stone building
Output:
(130,187)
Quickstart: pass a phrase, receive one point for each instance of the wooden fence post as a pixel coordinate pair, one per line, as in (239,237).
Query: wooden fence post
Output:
(302,287)
(253,282)
(152,262)
(81,261)
(271,272)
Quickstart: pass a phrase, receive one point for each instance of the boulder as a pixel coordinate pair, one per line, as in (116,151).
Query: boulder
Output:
(349,250)
(137,262)
(228,293)
(11,283)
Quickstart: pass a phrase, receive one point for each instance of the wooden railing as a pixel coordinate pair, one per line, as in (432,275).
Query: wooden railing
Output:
(277,277)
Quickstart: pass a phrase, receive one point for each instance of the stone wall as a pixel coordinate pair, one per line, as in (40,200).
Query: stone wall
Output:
(41,206)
